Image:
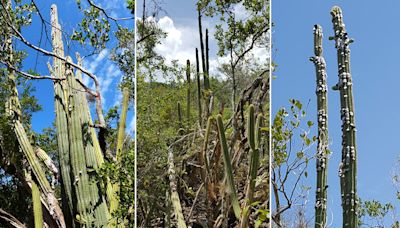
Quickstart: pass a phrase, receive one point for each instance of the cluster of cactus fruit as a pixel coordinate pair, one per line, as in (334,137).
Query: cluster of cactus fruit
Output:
(347,168)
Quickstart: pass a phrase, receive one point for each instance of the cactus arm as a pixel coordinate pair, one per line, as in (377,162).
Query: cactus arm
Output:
(348,168)
(322,148)
(175,201)
(37,206)
(228,167)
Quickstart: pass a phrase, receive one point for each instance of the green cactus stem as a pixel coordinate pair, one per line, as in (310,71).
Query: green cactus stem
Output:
(90,205)
(203,62)
(228,168)
(207,62)
(198,87)
(92,138)
(188,92)
(37,206)
(348,166)
(61,91)
(322,148)
(253,134)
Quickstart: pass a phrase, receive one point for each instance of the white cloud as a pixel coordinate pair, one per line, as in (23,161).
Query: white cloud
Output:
(181,41)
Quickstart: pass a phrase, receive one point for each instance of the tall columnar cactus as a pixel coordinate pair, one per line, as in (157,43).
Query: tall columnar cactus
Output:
(348,166)
(93,142)
(203,62)
(79,151)
(61,91)
(228,168)
(322,149)
(188,92)
(253,137)
(198,86)
(207,61)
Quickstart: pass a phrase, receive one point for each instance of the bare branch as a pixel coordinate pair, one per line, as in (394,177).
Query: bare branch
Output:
(19,36)
(11,219)
(31,76)
(106,14)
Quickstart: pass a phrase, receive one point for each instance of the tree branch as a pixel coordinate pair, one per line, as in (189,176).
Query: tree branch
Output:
(106,14)
(19,36)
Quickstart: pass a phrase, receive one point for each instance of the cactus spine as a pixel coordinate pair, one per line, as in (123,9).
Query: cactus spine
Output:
(322,148)
(228,168)
(37,206)
(253,136)
(348,167)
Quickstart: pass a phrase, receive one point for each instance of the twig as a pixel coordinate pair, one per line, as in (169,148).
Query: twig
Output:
(194,202)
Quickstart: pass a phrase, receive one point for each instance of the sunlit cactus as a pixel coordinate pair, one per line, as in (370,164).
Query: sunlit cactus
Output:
(348,166)
(228,168)
(253,137)
(322,149)
(37,206)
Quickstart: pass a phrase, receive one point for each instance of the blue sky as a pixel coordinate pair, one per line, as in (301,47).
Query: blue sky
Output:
(374,63)
(107,72)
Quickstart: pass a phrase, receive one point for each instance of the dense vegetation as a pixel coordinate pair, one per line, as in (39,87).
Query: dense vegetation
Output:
(203,141)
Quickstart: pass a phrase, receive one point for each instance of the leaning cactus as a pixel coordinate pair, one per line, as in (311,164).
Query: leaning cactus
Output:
(37,206)
(228,167)
(322,149)
(253,137)
(348,166)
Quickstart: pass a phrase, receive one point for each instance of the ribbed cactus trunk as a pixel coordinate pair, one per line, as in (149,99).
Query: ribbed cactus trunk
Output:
(79,151)
(89,203)
(93,143)
(61,91)
(348,166)
(322,148)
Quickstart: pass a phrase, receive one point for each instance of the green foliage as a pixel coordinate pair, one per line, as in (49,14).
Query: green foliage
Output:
(94,28)
(238,32)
